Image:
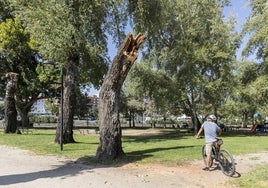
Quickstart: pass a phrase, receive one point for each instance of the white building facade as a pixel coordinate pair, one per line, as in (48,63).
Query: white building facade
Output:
(39,108)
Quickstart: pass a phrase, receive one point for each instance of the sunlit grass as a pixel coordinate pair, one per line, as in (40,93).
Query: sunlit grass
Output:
(258,178)
(170,147)
(42,142)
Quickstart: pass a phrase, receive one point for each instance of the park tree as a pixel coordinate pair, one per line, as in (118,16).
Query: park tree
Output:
(18,56)
(194,46)
(242,103)
(259,91)
(134,103)
(256,28)
(82,104)
(110,146)
(157,89)
(71,34)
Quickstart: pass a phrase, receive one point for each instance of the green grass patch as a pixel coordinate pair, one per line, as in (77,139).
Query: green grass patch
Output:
(169,147)
(258,178)
(42,142)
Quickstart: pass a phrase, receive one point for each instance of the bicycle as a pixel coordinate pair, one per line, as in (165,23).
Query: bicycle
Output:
(222,156)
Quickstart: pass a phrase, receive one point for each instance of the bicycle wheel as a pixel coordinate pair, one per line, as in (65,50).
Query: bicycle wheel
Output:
(226,162)
(204,155)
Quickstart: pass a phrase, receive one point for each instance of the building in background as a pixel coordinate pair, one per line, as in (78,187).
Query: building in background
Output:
(93,100)
(39,108)
(93,106)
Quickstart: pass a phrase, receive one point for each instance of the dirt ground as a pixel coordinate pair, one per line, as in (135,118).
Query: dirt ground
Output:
(24,169)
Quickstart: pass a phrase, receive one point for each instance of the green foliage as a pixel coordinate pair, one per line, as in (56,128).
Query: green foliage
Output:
(257,26)
(52,105)
(146,84)
(82,104)
(18,56)
(250,93)
(14,46)
(95,112)
(259,90)
(61,29)
(43,119)
(247,72)
(5,10)
(189,56)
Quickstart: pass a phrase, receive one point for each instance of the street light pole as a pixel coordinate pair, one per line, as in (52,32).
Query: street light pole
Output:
(61,103)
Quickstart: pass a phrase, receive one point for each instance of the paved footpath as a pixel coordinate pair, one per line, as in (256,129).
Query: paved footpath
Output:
(23,169)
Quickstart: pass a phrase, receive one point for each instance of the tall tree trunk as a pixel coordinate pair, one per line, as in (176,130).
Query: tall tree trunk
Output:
(10,107)
(69,101)
(192,111)
(244,119)
(129,118)
(24,109)
(110,146)
(133,119)
(24,119)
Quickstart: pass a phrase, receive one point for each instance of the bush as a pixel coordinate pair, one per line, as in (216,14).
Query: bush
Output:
(43,119)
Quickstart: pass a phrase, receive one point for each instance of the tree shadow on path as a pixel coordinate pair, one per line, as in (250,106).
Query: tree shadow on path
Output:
(63,171)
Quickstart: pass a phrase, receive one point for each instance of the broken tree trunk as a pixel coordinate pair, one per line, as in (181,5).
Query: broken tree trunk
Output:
(110,146)
(10,107)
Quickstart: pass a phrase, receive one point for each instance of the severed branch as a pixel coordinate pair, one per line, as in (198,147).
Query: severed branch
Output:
(132,46)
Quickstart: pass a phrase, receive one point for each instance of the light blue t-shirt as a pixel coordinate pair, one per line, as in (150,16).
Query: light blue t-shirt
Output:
(210,131)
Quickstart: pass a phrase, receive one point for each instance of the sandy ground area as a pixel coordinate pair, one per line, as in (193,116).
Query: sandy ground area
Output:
(24,169)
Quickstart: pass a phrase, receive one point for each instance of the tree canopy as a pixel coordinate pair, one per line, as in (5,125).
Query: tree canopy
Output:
(17,55)
(192,45)
(256,27)
(62,28)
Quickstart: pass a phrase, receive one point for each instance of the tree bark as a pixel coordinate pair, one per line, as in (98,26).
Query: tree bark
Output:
(69,101)
(10,107)
(190,108)
(110,146)
(244,119)
(24,108)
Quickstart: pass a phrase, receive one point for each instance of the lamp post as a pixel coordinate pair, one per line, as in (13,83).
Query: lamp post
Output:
(61,104)
(61,107)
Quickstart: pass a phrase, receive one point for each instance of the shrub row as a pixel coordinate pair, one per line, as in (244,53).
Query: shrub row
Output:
(43,119)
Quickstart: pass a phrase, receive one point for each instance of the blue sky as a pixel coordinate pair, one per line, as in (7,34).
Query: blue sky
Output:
(239,9)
